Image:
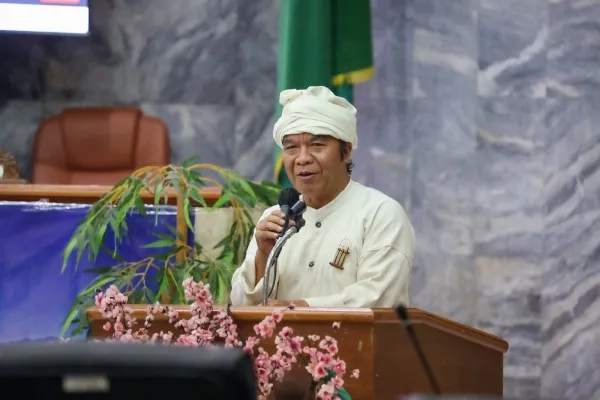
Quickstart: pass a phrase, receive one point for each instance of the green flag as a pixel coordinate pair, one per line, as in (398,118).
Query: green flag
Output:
(322,43)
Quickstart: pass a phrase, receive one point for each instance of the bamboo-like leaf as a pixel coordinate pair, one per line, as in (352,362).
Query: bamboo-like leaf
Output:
(177,279)
(267,192)
(139,206)
(82,323)
(248,189)
(161,243)
(186,213)
(158,189)
(112,209)
(195,194)
(222,288)
(163,284)
(196,178)
(72,245)
(189,162)
(77,309)
(343,394)
(68,321)
(96,284)
(222,200)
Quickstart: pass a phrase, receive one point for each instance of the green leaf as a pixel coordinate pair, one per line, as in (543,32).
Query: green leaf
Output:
(195,194)
(96,284)
(139,206)
(82,323)
(222,200)
(158,189)
(163,284)
(221,289)
(186,213)
(78,307)
(161,243)
(73,313)
(247,191)
(73,242)
(343,394)
(196,178)
(189,162)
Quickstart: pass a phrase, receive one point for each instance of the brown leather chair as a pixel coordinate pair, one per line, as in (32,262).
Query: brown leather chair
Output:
(97,146)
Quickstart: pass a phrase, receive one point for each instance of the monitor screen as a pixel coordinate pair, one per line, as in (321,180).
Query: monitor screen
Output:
(45,16)
(97,370)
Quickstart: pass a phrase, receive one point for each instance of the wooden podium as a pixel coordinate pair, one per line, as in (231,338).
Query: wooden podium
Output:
(464,360)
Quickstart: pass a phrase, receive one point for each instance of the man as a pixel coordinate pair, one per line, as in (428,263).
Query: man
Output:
(357,246)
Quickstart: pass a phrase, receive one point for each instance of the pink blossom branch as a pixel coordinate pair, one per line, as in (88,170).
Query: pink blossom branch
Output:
(207,327)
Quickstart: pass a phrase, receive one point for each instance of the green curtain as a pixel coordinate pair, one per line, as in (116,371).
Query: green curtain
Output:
(322,43)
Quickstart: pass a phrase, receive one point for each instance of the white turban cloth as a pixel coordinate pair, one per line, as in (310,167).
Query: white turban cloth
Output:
(316,110)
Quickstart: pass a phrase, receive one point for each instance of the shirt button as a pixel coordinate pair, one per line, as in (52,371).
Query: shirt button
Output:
(318,224)
(311,264)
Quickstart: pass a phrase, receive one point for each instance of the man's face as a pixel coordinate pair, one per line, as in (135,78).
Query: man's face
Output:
(315,164)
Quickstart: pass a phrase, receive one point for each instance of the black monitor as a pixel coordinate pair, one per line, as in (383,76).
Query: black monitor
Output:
(102,370)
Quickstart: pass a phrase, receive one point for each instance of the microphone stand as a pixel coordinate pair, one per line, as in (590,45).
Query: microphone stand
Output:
(274,256)
(403,315)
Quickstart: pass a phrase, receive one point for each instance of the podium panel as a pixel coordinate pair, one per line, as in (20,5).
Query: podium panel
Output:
(464,360)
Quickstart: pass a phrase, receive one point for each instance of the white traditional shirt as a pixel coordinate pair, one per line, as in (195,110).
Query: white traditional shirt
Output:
(379,240)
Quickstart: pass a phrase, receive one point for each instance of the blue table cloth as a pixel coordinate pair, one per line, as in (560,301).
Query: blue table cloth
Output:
(34,296)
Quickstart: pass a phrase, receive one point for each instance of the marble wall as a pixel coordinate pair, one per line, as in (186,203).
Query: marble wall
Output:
(481,120)
(206,67)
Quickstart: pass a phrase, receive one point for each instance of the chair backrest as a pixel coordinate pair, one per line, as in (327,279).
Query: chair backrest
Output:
(97,146)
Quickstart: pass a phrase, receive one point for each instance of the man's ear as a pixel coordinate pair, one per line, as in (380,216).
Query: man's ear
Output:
(346,151)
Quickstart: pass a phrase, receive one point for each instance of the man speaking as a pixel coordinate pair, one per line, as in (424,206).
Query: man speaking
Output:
(357,246)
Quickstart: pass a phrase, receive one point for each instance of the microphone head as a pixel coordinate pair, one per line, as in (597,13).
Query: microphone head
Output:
(298,208)
(288,197)
(401,312)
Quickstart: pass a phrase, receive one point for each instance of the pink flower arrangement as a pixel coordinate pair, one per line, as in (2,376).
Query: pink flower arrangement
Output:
(209,327)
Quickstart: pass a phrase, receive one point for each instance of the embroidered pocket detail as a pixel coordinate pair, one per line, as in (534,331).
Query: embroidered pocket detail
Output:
(341,255)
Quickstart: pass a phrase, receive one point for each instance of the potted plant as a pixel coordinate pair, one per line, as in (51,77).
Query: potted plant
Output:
(173,258)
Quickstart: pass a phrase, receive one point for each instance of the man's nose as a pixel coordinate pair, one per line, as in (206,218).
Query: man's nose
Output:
(304,157)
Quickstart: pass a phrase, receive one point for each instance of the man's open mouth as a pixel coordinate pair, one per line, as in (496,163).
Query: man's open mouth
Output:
(305,174)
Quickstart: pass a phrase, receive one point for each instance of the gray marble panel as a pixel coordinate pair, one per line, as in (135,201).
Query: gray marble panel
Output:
(197,131)
(574,48)
(383,157)
(392,55)
(444,47)
(510,162)
(441,208)
(508,232)
(256,88)
(20,75)
(19,120)
(508,305)
(512,42)
(571,283)
(148,51)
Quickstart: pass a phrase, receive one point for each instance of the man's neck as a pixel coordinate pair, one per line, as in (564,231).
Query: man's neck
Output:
(317,202)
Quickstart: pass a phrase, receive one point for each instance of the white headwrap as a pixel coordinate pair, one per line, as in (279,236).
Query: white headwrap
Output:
(318,111)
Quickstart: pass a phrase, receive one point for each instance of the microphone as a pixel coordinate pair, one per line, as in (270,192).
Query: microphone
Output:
(288,198)
(295,212)
(403,315)
(298,208)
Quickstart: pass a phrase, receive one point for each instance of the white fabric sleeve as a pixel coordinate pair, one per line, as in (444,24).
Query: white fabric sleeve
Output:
(245,291)
(384,266)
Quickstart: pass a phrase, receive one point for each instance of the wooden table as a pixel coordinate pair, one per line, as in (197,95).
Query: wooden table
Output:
(84,194)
